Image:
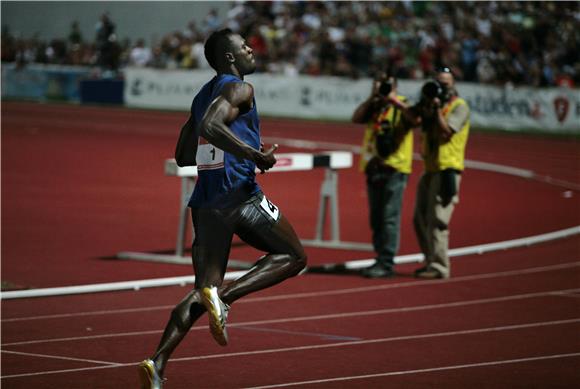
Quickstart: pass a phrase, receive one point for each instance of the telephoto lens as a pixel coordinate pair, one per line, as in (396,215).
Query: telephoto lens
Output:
(431,89)
(385,88)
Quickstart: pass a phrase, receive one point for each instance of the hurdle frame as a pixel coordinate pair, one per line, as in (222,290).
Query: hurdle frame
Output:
(328,207)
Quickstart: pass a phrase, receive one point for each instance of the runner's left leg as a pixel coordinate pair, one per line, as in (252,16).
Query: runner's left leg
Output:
(274,235)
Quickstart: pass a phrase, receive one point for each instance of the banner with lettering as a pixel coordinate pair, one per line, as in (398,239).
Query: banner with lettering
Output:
(545,109)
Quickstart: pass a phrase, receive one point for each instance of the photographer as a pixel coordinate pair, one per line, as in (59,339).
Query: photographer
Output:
(444,120)
(386,159)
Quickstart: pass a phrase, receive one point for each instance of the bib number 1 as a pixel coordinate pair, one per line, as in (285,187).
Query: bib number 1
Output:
(209,157)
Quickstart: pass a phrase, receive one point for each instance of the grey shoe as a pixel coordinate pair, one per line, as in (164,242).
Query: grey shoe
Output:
(217,311)
(430,274)
(420,270)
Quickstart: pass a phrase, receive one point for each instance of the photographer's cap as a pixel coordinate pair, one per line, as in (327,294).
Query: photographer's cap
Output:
(444,69)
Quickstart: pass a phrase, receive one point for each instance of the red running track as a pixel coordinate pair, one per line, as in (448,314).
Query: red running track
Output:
(82,183)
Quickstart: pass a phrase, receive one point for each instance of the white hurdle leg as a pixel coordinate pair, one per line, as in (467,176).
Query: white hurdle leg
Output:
(187,185)
(334,214)
(328,193)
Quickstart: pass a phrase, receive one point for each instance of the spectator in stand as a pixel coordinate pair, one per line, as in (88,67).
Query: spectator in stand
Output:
(327,54)
(211,22)
(197,53)
(258,43)
(23,53)
(191,31)
(106,41)
(564,79)
(520,43)
(75,42)
(140,55)
(158,58)
(75,37)
(185,57)
(8,45)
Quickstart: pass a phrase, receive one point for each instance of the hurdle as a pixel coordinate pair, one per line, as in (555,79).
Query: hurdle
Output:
(331,161)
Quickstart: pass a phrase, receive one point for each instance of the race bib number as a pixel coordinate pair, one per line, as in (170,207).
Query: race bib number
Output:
(270,208)
(208,156)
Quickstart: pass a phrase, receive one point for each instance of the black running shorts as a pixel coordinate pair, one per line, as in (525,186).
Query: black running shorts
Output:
(252,221)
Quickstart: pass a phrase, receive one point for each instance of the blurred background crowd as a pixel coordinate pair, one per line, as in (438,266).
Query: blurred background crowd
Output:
(512,42)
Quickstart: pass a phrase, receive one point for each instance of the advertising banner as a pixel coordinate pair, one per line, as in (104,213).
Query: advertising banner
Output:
(166,89)
(41,82)
(545,109)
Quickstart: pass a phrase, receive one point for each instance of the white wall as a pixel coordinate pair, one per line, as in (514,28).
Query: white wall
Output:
(134,19)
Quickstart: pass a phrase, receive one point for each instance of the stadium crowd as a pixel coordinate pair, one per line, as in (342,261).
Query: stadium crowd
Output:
(522,43)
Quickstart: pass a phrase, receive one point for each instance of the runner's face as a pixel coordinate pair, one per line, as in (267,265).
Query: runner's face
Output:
(244,55)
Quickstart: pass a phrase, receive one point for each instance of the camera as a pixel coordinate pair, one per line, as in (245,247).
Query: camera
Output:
(385,140)
(431,90)
(385,88)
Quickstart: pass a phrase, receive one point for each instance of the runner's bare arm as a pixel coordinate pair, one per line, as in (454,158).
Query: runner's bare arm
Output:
(235,98)
(187,144)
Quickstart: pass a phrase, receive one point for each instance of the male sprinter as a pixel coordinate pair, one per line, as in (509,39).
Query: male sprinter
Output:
(222,136)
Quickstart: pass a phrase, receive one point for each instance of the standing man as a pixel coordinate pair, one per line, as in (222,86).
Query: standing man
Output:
(444,118)
(222,137)
(386,159)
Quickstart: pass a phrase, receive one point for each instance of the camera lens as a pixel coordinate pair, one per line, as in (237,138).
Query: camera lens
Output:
(431,89)
(385,88)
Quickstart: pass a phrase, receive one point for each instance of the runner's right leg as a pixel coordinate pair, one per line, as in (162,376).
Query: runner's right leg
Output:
(214,234)
(210,252)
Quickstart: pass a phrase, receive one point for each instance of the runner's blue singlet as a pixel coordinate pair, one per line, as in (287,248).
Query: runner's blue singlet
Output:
(224,180)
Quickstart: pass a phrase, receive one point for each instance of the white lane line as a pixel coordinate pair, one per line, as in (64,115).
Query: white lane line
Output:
(299,333)
(572,294)
(452,280)
(472,164)
(333,292)
(327,345)
(383,340)
(50,372)
(58,357)
(107,286)
(103,336)
(315,317)
(356,264)
(418,371)
(88,313)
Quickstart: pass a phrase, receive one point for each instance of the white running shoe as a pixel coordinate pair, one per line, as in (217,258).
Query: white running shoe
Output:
(217,311)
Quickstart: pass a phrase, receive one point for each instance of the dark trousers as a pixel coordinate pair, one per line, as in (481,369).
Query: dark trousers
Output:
(385,196)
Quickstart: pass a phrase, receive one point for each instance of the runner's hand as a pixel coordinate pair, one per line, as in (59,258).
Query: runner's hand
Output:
(266,160)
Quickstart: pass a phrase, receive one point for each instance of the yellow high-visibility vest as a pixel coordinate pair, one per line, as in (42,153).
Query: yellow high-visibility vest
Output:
(402,158)
(440,155)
